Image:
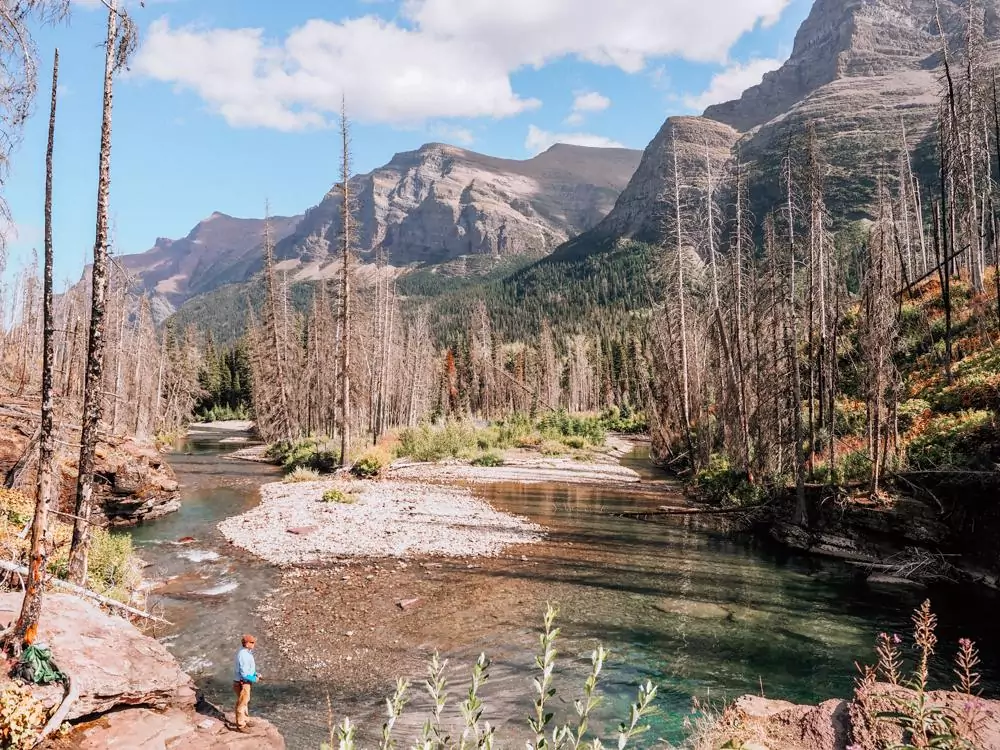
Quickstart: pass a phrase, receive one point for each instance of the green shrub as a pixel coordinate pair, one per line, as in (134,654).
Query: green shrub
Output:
(488,459)
(551,448)
(301,474)
(427,443)
(318,454)
(910,411)
(851,417)
(560,424)
(967,440)
(574,441)
(624,420)
(112,566)
(370,465)
(338,496)
(719,483)
(855,467)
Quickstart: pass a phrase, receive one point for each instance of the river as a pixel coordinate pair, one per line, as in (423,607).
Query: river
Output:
(698,612)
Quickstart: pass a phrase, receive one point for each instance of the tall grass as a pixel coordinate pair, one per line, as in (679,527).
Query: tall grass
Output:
(458,439)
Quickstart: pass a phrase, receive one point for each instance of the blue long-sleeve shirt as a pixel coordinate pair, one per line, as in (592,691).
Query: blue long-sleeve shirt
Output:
(246,667)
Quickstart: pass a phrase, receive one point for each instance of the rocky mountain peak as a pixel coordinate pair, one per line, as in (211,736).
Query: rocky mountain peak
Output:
(440,203)
(853,39)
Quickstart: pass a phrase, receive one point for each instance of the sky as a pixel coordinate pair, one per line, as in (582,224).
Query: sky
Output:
(230,105)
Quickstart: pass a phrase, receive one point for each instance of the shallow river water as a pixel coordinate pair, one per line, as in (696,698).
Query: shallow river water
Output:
(698,612)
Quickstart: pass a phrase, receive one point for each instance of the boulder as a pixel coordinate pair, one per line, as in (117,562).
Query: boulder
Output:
(173,729)
(107,658)
(838,725)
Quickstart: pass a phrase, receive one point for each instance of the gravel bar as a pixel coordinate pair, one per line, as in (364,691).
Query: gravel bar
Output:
(294,526)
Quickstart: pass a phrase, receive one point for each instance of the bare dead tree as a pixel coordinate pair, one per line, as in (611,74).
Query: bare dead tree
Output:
(26,627)
(121,41)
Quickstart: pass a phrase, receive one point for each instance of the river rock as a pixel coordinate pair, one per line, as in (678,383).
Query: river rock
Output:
(838,725)
(146,729)
(135,484)
(106,657)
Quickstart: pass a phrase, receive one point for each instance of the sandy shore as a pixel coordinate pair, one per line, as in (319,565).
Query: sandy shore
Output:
(294,526)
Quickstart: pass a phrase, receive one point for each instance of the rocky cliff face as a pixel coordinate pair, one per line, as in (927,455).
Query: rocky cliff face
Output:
(440,203)
(219,250)
(648,201)
(860,72)
(433,205)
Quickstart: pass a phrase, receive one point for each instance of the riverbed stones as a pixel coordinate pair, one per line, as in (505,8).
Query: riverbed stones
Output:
(110,662)
(389,519)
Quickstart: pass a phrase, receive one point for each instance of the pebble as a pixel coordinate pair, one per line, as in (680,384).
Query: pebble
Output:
(447,521)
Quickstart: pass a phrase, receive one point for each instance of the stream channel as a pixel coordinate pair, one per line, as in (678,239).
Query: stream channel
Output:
(697,612)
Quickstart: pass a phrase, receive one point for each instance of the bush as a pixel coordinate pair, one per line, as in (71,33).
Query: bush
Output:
(855,467)
(338,496)
(112,566)
(721,484)
(488,459)
(967,440)
(851,417)
(426,443)
(22,717)
(551,448)
(910,412)
(370,465)
(559,424)
(301,474)
(574,441)
(624,420)
(318,454)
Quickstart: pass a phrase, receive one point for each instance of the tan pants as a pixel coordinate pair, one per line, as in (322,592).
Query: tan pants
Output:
(242,692)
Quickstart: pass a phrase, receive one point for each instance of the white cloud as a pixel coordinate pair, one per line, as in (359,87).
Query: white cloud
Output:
(585,102)
(455,134)
(731,83)
(623,33)
(538,140)
(442,59)
(387,74)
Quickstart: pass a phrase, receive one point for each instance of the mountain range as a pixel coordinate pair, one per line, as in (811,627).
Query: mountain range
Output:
(436,206)
(864,73)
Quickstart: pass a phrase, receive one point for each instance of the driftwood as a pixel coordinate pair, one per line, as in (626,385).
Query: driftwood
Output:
(673,510)
(11,567)
(55,721)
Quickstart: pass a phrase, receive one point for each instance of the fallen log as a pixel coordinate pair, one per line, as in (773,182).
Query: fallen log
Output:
(11,567)
(673,510)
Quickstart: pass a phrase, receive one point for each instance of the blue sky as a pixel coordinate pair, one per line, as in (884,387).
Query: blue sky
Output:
(231,102)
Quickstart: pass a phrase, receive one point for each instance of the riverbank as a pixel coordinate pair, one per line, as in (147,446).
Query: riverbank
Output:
(125,689)
(315,522)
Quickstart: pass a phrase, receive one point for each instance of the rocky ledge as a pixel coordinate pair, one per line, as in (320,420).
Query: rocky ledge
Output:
(136,484)
(133,482)
(755,723)
(131,691)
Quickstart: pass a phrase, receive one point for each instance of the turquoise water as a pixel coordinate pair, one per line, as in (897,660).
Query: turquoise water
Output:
(698,612)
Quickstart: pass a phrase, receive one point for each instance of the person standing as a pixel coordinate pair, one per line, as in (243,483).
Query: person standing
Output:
(244,675)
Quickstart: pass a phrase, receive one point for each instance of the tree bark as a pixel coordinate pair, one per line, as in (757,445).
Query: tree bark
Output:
(26,627)
(92,406)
